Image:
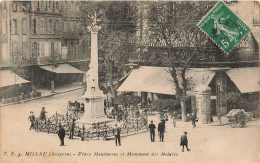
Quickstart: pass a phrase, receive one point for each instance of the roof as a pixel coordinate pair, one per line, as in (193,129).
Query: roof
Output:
(9,78)
(158,80)
(246,79)
(63,69)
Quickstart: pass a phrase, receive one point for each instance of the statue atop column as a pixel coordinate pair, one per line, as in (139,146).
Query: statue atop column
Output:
(94,27)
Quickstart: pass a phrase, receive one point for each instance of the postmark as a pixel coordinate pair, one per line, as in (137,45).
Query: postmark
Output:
(224,27)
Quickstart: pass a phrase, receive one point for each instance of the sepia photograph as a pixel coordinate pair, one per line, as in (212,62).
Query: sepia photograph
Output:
(137,81)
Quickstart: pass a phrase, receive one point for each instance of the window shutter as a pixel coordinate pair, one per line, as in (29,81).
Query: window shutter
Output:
(50,49)
(61,28)
(24,24)
(46,49)
(32,26)
(38,26)
(38,49)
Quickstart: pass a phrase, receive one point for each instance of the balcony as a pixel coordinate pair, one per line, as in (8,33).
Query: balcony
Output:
(71,34)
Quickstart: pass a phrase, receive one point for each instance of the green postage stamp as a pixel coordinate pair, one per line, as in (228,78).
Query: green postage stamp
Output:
(224,27)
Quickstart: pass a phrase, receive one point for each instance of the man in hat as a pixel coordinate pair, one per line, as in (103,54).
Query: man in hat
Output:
(152,131)
(43,114)
(117,135)
(36,125)
(161,129)
(174,119)
(32,119)
(71,127)
(61,134)
(184,141)
(193,120)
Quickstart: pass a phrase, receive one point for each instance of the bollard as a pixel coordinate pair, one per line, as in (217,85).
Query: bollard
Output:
(219,118)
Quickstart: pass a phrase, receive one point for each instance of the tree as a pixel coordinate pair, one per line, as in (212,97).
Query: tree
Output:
(172,26)
(166,104)
(118,25)
(17,62)
(53,61)
(129,99)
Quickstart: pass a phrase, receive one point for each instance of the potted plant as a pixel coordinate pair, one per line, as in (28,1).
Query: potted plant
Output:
(3,98)
(20,96)
(29,95)
(39,94)
(34,93)
(25,96)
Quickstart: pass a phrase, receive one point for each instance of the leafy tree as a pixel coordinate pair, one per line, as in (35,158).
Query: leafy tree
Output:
(166,104)
(172,28)
(236,101)
(129,99)
(118,26)
(53,61)
(17,62)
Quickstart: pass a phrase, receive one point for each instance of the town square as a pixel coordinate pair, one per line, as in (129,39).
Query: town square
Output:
(129,81)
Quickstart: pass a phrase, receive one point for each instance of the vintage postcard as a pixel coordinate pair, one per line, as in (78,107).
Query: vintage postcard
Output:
(129,81)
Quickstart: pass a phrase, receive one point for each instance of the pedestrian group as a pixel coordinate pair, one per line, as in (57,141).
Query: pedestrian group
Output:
(117,129)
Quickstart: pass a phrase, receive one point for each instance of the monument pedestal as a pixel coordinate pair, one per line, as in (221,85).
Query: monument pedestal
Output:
(94,104)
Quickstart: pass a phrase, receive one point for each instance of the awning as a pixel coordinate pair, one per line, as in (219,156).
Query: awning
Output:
(63,69)
(123,78)
(246,79)
(158,80)
(255,32)
(9,78)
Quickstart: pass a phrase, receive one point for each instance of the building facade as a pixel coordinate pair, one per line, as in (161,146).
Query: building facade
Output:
(247,50)
(38,30)
(244,57)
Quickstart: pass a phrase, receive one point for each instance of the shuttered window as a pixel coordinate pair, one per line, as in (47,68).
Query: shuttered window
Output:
(34,24)
(14,26)
(4,27)
(24,48)
(24,26)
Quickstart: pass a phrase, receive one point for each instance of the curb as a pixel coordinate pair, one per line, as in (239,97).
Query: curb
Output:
(53,94)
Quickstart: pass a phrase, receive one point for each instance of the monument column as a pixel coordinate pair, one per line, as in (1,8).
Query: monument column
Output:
(93,97)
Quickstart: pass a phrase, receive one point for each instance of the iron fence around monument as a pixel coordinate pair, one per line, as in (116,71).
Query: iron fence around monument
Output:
(131,124)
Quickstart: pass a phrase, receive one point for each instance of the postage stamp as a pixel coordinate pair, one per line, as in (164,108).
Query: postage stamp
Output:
(223,26)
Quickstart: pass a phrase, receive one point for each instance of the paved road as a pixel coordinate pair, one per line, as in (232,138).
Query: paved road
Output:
(208,144)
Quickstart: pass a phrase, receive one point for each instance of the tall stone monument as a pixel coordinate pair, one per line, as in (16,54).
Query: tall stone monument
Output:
(93,97)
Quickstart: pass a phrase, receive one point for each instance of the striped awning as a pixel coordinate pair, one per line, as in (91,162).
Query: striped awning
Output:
(62,69)
(256,33)
(158,80)
(246,79)
(9,78)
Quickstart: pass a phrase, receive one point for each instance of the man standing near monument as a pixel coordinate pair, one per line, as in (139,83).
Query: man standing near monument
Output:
(184,142)
(61,135)
(152,131)
(32,119)
(161,129)
(71,127)
(117,135)
(43,114)
(193,120)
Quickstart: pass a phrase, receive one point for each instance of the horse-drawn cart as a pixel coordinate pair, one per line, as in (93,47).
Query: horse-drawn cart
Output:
(74,108)
(237,118)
